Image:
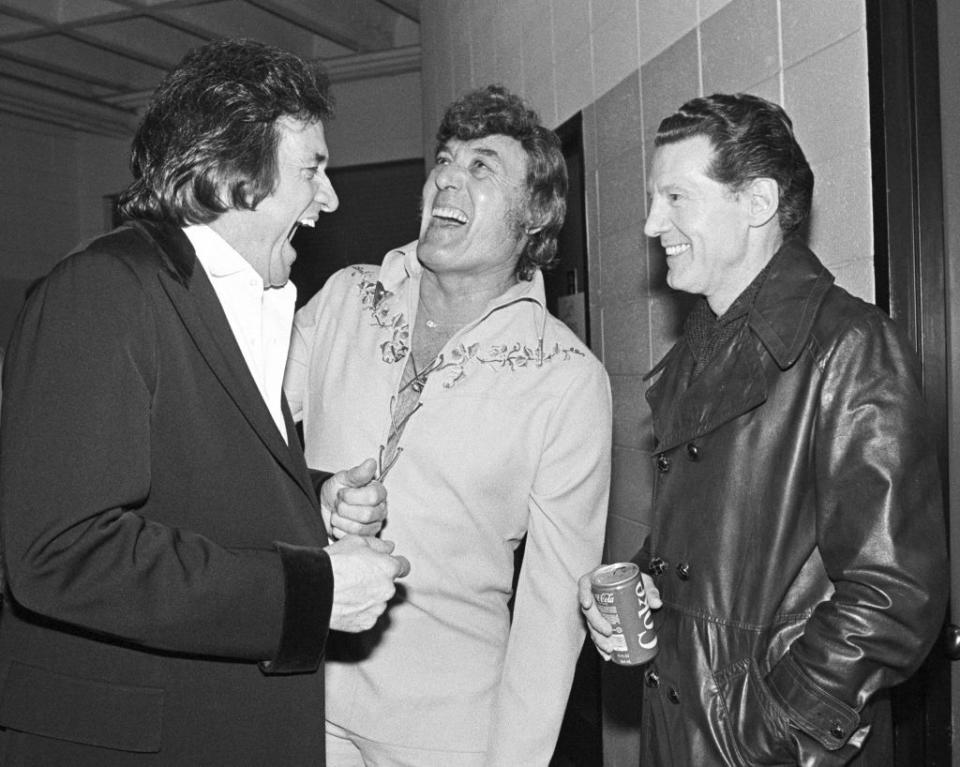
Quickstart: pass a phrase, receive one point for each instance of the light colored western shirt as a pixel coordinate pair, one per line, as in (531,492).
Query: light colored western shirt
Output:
(512,438)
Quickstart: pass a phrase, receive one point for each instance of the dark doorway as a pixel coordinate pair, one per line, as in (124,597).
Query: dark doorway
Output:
(910,277)
(379,210)
(580,743)
(566,283)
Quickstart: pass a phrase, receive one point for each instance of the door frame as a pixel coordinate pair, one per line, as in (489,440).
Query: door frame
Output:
(911,283)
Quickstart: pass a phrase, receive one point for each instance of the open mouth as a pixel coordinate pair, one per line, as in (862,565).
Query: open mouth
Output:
(311,222)
(447,215)
(675,250)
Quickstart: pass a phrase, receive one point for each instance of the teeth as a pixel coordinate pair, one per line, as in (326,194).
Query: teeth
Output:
(673,250)
(450,213)
(308,222)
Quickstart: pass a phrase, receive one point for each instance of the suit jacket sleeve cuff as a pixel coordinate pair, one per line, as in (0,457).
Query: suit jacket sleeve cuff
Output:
(308,601)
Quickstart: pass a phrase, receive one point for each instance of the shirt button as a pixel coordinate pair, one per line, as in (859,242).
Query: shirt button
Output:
(837,731)
(693,452)
(674,695)
(657,566)
(683,571)
(663,463)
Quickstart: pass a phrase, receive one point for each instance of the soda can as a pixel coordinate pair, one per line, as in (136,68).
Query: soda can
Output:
(618,591)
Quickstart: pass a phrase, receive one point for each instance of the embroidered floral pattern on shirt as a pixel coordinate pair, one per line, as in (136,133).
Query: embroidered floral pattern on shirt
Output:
(376,299)
(498,356)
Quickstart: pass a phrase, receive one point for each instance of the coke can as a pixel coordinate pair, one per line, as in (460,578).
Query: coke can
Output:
(618,591)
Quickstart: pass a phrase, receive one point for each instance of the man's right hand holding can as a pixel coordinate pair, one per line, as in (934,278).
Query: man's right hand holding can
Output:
(601,632)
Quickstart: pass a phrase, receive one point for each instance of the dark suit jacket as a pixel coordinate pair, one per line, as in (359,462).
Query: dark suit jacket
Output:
(170,596)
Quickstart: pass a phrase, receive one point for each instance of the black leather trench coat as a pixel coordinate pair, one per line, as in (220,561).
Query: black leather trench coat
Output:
(798,538)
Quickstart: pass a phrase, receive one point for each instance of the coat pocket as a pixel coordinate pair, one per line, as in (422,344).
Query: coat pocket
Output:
(747,719)
(93,712)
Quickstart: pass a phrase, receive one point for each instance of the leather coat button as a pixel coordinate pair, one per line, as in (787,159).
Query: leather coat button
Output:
(663,463)
(837,731)
(693,451)
(674,695)
(683,571)
(657,566)
(652,679)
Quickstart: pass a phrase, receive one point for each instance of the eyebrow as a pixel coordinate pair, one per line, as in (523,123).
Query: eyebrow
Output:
(480,150)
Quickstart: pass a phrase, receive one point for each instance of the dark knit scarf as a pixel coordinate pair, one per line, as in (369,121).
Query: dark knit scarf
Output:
(706,333)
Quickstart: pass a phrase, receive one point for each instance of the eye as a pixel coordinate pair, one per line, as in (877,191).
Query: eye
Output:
(311,172)
(442,159)
(674,197)
(480,168)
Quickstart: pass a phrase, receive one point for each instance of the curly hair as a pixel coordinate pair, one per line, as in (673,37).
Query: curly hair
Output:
(752,138)
(493,110)
(208,141)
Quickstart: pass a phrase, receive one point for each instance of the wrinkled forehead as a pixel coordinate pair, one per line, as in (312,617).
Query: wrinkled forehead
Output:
(497,146)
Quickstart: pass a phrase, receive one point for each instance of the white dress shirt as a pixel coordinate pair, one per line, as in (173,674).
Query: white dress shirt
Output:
(259,317)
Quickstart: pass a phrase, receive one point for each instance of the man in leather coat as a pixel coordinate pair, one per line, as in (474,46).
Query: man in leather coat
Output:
(797,555)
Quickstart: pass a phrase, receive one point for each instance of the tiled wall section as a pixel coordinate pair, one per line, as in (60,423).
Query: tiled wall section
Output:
(626,64)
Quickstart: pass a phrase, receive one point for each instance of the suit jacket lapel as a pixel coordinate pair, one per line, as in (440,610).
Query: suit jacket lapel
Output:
(196,302)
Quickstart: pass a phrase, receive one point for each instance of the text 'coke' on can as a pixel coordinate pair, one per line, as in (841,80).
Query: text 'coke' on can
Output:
(618,591)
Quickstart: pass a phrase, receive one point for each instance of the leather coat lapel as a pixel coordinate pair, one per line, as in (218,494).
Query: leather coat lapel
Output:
(727,388)
(196,302)
(778,325)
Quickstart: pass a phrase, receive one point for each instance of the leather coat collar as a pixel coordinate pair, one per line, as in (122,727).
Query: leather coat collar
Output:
(786,306)
(781,319)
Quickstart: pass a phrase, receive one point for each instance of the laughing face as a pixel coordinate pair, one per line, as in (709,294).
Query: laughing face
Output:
(301,193)
(701,224)
(473,209)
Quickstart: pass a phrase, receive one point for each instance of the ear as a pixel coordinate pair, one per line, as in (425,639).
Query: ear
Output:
(535,223)
(762,197)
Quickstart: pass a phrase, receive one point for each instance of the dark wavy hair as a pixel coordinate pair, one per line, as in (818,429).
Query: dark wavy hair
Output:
(208,140)
(752,138)
(493,110)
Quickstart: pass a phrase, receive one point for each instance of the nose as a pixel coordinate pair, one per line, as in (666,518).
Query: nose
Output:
(326,196)
(447,176)
(656,223)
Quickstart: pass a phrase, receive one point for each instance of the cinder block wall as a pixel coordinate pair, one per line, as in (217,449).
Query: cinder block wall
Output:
(626,64)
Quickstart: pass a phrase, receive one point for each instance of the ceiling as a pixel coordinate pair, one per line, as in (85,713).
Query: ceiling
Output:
(92,64)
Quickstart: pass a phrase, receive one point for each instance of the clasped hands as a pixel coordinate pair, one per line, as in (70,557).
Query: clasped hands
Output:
(354,506)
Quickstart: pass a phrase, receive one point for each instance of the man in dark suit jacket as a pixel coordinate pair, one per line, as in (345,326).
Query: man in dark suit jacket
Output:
(170,579)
